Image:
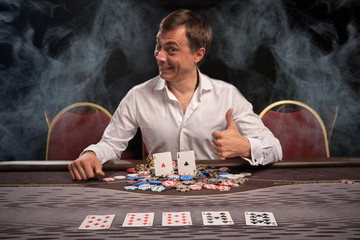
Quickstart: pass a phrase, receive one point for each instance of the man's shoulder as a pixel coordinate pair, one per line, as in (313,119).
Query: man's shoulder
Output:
(217,83)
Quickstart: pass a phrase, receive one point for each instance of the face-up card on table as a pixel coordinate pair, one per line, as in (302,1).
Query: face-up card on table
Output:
(163,164)
(217,218)
(138,220)
(260,219)
(96,222)
(186,162)
(176,219)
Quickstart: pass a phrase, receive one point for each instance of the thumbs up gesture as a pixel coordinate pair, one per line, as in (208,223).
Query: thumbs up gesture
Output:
(229,142)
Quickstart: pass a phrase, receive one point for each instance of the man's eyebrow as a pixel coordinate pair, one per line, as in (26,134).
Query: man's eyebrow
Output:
(168,43)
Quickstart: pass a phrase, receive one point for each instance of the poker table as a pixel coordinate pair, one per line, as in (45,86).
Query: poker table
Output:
(309,198)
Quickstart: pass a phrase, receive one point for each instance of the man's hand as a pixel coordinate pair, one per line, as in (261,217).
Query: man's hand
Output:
(229,143)
(85,167)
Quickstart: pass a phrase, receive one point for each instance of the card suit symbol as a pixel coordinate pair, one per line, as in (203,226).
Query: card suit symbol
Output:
(96,224)
(107,217)
(105,221)
(163,165)
(99,219)
(139,219)
(93,217)
(102,226)
(177,221)
(211,221)
(216,217)
(186,164)
(90,221)
(87,226)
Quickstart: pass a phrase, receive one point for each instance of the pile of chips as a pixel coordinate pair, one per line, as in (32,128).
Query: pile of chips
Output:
(142,177)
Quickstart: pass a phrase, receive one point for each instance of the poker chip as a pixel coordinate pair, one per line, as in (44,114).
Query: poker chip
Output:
(210,186)
(109,179)
(131,188)
(246,174)
(140,183)
(195,187)
(174,177)
(183,189)
(186,177)
(144,187)
(156,182)
(169,183)
(157,188)
(224,188)
(224,169)
(119,177)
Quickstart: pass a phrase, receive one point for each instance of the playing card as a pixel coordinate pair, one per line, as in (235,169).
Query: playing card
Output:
(138,220)
(176,219)
(260,219)
(186,162)
(94,222)
(163,163)
(217,218)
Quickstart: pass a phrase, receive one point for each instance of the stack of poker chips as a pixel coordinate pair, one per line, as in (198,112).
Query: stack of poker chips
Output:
(207,177)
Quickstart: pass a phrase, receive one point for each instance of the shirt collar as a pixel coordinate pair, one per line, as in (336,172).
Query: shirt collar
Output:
(204,85)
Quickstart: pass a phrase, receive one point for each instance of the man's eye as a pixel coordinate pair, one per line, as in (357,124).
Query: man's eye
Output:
(172,50)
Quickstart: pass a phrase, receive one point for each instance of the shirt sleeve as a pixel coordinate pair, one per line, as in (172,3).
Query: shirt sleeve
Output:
(265,147)
(121,129)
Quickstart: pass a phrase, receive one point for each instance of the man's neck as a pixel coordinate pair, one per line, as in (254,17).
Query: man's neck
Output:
(185,86)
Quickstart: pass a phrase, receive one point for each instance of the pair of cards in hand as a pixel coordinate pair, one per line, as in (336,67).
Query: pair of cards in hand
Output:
(94,222)
(185,160)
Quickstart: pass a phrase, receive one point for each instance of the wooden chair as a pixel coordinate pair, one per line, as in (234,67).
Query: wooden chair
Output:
(300,130)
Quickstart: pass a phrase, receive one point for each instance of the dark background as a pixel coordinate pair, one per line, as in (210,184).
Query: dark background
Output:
(56,53)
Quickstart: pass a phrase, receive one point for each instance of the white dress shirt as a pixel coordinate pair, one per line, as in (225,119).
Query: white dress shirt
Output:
(165,128)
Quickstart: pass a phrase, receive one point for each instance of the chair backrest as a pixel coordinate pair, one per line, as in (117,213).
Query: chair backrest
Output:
(299,128)
(75,128)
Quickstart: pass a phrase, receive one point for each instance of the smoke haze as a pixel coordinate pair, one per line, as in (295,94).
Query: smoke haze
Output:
(57,53)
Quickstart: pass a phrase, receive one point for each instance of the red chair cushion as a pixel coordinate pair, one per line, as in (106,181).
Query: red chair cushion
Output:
(73,132)
(300,133)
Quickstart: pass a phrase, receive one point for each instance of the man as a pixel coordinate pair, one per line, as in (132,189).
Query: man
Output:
(183,109)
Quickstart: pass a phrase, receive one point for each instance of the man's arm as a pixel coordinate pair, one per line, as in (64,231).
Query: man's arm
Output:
(87,166)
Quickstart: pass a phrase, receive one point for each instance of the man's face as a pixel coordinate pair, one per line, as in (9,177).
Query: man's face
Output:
(173,55)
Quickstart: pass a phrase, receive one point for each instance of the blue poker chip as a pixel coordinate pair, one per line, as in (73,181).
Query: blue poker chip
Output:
(140,183)
(156,182)
(186,178)
(133,178)
(131,188)
(221,177)
(223,173)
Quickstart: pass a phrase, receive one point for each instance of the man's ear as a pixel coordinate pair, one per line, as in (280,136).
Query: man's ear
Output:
(199,55)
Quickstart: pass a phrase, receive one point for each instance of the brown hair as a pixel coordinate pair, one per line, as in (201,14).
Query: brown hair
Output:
(198,30)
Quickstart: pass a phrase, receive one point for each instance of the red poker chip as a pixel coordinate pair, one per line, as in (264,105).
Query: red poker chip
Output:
(109,179)
(224,188)
(195,187)
(169,183)
(210,186)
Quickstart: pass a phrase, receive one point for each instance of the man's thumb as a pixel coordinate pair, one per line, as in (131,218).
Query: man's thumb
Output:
(229,119)
(98,170)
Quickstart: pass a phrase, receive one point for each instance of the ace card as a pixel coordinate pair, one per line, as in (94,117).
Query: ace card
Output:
(260,219)
(217,218)
(176,219)
(186,162)
(96,222)
(138,220)
(163,164)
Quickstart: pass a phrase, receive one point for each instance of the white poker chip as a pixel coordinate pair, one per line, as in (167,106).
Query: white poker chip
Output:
(157,188)
(133,175)
(130,187)
(246,174)
(144,187)
(119,177)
